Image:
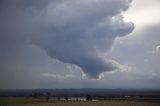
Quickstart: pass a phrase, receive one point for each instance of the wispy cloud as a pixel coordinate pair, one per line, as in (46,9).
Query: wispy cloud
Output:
(57,76)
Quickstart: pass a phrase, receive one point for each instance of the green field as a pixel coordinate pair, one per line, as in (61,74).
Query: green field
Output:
(20,100)
(24,101)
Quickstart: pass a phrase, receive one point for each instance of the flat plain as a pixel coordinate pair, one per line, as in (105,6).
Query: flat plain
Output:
(104,103)
(41,102)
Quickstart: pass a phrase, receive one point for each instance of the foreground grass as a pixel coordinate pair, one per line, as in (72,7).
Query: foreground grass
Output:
(19,101)
(113,103)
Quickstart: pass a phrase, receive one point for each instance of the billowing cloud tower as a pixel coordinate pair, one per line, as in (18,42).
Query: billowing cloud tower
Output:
(78,32)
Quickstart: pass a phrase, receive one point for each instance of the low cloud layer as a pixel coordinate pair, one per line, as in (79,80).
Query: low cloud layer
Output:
(78,32)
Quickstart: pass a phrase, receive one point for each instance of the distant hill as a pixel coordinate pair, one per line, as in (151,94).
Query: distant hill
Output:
(85,91)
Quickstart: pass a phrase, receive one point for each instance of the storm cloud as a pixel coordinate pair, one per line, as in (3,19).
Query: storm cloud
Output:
(79,32)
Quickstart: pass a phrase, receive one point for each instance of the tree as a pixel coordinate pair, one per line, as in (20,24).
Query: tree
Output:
(47,96)
(88,97)
(66,98)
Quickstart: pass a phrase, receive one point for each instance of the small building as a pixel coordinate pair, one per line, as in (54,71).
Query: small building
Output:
(77,99)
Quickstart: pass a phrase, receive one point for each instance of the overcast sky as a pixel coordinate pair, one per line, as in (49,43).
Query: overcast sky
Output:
(79,44)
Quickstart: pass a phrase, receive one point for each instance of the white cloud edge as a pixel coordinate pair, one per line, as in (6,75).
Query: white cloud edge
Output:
(157,49)
(121,67)
(57,76)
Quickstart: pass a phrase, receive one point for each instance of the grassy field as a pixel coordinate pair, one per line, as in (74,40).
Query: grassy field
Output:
(104,103)
(19,101)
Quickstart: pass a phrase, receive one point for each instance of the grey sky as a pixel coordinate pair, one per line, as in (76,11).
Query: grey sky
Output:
(79,43)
